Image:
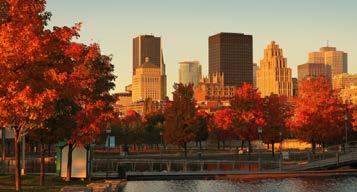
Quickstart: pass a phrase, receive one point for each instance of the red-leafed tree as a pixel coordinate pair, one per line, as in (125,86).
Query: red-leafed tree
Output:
(202,119)
(248,107)
(27,94)
(319,113)
(179,114)
(223,124)
(277,112)
(91,80)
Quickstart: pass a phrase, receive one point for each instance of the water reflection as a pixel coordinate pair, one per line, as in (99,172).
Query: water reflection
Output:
(340,184)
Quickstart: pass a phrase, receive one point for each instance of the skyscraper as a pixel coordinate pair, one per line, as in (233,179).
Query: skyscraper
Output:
(232,55)
(147,82)
(273,75)
(314,70)
(148,47)
(190,72)
(330,56)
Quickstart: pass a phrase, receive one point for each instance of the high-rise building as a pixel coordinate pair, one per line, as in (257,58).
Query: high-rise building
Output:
(190,72)
(255,68)
(147,82)
(330,56)
(149,46)
(232,55)
(344,80)
(314,70)
(295,86)
(273,75)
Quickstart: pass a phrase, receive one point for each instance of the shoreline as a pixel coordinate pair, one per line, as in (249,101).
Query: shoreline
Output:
(285,175)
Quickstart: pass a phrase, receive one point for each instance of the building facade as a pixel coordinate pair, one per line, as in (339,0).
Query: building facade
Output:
(147,82)
(255,68)
(314,70)
(232,55)
(330,56)
(190,72)
(212,88)
(295,87)
(273,75)
(149,46)
(349,94)
(344,80)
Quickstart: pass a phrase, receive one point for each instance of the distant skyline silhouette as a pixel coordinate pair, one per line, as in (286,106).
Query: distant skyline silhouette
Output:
(298,27)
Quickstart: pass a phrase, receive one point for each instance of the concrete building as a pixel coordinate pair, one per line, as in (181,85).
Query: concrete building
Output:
(212,88)
(273,75)
(190,72)
(232,55)
(314,70)
(149,46)
(255,68)
(147,82)
(142,107)
(330,56)
(344,80)
(295,87)
(349,94)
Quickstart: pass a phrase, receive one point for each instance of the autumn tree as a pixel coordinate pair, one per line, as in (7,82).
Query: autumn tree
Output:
(247,105)
(277,112)
(180,117)
(90,80)
(153,127)
(319,113)
(201,127)
(222,128)
(27,91)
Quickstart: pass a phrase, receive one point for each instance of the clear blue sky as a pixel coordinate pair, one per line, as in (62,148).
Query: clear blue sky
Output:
(299,26)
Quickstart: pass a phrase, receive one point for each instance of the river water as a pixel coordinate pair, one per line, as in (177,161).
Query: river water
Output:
(339,184)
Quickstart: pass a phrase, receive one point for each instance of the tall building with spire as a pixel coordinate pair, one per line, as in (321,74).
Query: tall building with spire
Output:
(330,56)
(273,75)
(148,49)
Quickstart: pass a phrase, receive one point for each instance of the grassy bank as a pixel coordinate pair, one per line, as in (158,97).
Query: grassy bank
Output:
(31,183)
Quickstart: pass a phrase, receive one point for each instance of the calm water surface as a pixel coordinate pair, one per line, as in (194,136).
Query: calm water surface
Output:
(340,184)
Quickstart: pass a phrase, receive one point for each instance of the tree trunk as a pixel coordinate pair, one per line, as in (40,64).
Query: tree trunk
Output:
(3,147)
(268,146)
(42,167)
(200,143)
(69,162)
(218,146)
(313,147)
(242,145)
(185,146)
(273,148)
(224,144)
(17,159)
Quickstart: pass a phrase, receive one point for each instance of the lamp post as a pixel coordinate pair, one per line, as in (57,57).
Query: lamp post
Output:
(108,131)
(161,142)
(280,151)
(260,131)
(346,130)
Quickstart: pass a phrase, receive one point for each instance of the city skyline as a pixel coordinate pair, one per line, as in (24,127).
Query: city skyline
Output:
(298,33)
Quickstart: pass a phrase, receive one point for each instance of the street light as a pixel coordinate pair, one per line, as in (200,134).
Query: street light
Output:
(108,131)
(346,136)
(162,143)
(280,149)
(260,131)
